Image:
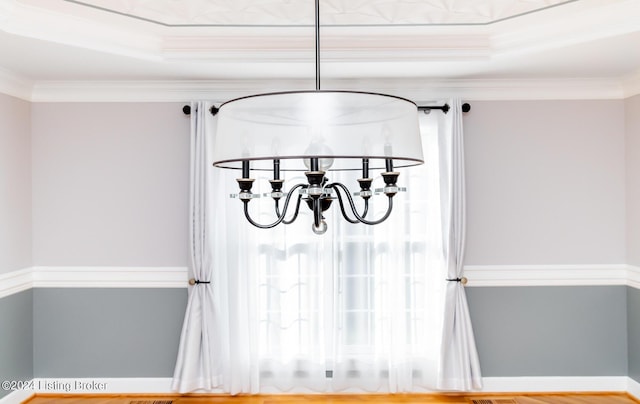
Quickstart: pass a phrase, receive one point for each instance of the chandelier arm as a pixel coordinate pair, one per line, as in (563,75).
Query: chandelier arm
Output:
(277,207)
(341,203)
(280,217)
(295,212)
(366,208)
(359,218)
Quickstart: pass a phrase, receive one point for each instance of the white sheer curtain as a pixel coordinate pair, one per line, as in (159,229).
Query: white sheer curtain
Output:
(359,308)
(198,362)
(390,292)
(459,364)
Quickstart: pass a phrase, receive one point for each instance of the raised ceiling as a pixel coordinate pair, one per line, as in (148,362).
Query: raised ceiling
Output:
(181,49)
(333,12)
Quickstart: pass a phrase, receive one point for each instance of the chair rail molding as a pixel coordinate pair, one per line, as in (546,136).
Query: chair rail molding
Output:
(177,277)
(92,277)
(16,281)
(552,275)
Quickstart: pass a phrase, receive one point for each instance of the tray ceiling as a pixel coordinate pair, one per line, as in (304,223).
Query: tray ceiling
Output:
(400,46)
(333,12)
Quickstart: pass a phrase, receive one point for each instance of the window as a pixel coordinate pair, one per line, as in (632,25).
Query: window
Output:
(360,306)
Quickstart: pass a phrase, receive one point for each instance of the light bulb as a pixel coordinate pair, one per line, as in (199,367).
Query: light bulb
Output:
(319,149)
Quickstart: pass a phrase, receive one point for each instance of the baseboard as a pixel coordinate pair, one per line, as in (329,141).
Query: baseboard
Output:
(163,386)
(91,386)
(133,385)
(17,396)
(555,384)
(633,388)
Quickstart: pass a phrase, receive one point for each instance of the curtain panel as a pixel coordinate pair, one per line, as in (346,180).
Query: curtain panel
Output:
(358,309)
(459,364)
(199,357)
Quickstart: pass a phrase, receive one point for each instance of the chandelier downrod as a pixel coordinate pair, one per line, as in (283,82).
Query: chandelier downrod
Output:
(317,19)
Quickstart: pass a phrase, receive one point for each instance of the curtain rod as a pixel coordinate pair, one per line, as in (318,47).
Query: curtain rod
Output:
(466,107)
(187,110)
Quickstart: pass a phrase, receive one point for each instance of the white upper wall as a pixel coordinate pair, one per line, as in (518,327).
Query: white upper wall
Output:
(632,147)
(15,184)
(545,182)
(111,184)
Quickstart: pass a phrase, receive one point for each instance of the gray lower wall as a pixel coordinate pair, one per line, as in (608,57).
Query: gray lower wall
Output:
(106,332)
(520,331)
(16,338)
(552,331)
(633,327)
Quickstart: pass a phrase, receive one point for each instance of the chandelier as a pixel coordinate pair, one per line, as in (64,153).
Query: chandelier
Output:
(317,132)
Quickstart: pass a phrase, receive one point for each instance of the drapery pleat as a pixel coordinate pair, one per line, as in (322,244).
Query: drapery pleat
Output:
(459,364)
(198,363)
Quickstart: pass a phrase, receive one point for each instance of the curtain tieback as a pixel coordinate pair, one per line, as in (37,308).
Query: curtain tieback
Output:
(462,280)
(196,282)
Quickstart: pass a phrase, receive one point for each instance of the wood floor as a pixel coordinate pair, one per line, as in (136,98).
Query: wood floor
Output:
(600,398)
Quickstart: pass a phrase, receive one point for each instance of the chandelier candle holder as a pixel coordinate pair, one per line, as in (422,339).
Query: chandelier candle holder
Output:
(317,132)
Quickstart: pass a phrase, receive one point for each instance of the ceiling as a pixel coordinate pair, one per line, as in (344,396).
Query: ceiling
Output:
(74,50)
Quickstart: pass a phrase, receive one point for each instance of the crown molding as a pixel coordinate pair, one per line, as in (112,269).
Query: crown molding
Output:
(295,45)
(631,84)
(14,85)
(158,91)
(416,89)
